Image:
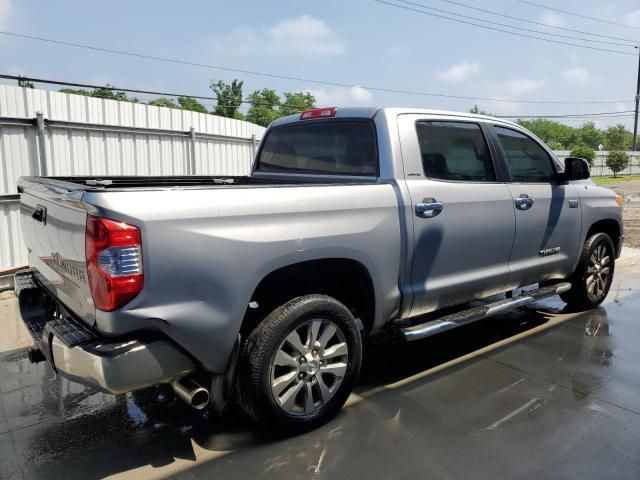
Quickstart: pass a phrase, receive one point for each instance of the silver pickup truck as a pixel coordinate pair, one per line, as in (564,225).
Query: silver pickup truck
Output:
(263,287)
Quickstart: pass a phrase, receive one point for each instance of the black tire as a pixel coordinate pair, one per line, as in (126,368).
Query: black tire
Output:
(581,296)
(268,338)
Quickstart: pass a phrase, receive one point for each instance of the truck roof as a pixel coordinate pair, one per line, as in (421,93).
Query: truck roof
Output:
(370,112)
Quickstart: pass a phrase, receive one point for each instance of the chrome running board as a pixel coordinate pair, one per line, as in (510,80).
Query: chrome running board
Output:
(465,317)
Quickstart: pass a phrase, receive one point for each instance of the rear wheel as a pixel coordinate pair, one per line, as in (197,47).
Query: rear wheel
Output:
(591,281)
(300,364)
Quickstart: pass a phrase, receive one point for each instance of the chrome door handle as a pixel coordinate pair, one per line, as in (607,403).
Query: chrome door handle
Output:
(524,202)
(429,208)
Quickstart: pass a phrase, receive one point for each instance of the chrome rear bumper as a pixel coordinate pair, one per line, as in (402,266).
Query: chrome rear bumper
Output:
(82,355)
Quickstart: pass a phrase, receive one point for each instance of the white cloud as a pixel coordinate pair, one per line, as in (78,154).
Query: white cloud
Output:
(342,97)
(633,18)
(514,89)
(552,19)
(304,35)
(576,74)
(460,72)
(5,11)
(521,86)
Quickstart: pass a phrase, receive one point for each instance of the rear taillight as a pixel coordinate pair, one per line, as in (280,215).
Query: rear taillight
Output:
(114,262)
(318,113)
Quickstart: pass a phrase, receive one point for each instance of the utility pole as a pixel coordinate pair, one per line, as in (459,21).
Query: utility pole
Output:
(635,119)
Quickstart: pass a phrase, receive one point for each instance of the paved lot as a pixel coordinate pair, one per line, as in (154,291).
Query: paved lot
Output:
(535,394)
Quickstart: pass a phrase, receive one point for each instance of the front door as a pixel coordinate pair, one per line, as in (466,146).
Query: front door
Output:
(548,218)
(463,215)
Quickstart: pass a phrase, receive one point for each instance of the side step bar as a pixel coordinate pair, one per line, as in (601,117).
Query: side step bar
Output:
(448,322)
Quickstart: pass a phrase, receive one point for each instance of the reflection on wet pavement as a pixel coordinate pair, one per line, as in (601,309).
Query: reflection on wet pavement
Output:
(538,393)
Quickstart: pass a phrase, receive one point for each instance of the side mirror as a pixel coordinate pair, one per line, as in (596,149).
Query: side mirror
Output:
(575,169)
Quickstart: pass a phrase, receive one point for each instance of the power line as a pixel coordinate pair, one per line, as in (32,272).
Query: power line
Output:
(539,32)
(505,31)
(623,113)
(491,12)
(577,116)
(546,7)
(300,79)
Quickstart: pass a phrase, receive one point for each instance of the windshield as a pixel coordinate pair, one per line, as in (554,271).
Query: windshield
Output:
(345,147)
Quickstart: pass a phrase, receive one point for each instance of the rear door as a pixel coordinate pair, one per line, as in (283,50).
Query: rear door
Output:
(463,212)
(548,218)
(53,224)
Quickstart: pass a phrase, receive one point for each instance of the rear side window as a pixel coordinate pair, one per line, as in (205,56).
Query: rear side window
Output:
(455,151)
(321,147)
(526,159)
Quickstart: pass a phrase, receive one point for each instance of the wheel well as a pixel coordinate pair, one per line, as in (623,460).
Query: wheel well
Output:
(610,227)
(346,280)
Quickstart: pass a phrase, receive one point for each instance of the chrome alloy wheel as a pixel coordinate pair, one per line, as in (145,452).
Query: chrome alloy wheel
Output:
(598,272)
(308,367)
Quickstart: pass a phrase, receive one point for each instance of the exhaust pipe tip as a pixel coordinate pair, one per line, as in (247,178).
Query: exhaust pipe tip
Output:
(194,394)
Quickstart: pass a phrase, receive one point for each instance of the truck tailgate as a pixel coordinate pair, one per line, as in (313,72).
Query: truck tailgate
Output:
(53,223)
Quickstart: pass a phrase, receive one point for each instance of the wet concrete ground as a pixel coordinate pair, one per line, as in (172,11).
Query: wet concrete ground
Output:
(539,393)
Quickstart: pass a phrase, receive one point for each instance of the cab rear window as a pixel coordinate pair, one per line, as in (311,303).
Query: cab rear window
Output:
(333,147)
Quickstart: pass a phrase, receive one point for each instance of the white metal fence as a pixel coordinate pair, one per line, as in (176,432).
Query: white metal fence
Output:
(599,167)
(51,133)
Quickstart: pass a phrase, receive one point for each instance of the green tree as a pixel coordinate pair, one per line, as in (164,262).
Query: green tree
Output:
(163,102)
(190,103)
(477,111)
(102,92)
(583,151)
(111,94)
(617,161)
(72,91)
(590,136)
(562,136)
(229,97)
(296,102)
(264,107)
(618,138)
(24,83)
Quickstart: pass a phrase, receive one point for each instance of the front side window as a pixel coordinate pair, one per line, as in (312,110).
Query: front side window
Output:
(455,151)
(526,159)
(345,147)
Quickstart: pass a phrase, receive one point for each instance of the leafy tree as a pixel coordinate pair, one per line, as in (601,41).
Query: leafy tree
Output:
(552,132)
(111,94)
(296,102)
(229,97)
(24,83)
(617,161)
(163,102)
(264,107)
(190,103)
(583,151)
(590,136)
(102,92)
(477,111)
(618,138)
(72,91)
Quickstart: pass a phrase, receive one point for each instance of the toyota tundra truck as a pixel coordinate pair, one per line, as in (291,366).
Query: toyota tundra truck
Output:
(262,288)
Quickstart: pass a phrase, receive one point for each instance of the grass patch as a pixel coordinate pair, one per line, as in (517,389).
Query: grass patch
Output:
(610,180)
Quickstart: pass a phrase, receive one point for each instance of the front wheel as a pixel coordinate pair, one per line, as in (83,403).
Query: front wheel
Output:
(300,364)
(591,281)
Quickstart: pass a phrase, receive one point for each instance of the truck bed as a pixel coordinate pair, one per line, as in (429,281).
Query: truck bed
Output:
(101,183)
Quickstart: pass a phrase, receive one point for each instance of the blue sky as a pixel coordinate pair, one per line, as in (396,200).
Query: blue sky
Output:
(356,42)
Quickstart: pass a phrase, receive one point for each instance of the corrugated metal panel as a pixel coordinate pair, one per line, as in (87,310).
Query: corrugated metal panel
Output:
(84,152)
